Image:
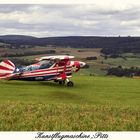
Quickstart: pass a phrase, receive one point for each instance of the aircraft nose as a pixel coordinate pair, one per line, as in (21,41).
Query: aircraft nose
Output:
(82,64)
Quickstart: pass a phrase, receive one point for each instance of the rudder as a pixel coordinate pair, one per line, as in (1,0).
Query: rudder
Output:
(6,69)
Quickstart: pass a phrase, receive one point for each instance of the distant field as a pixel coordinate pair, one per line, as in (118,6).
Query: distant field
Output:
(97,67)
(94,103)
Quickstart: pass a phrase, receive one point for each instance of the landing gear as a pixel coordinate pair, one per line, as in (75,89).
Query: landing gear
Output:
(70,84)
(62,82)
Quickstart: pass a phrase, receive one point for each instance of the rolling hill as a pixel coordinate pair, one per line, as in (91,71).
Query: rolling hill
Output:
(72,41)
(109,45)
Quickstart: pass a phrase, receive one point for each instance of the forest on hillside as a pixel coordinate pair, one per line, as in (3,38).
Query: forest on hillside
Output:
(109,45)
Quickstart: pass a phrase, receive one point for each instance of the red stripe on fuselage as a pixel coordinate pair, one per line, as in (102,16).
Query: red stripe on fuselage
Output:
(6,74)
(44,74)
(42,70)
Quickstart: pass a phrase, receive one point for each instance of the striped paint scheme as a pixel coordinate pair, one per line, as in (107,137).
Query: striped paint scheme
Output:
(44,77)
(46,72)
(6,69)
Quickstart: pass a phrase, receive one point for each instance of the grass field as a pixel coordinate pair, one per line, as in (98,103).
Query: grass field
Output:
(94,103)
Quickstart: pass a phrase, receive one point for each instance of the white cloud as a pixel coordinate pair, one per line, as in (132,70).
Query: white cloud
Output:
(100,18)
(131,23)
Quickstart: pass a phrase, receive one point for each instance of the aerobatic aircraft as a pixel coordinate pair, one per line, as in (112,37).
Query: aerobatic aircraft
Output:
(57,68)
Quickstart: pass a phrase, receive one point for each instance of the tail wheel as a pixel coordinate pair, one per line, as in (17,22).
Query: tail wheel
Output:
(70,84)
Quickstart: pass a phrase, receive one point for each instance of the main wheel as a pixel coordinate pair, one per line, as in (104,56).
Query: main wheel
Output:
(70,84)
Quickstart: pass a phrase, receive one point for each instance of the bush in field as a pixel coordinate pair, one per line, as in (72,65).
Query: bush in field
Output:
(91,58)
(120,71)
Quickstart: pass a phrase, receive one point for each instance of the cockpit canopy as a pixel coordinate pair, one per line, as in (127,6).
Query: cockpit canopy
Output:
(46,64)
(41,65)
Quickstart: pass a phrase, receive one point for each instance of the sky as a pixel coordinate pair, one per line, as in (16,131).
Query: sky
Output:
(101,18)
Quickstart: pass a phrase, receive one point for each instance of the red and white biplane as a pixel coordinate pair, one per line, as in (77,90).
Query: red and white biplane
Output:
(58,68)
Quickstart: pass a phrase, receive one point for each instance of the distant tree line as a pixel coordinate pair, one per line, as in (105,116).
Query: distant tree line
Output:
(28,53)
(14,46)
(74,41)
(109,45)
(120,50)
(120,71)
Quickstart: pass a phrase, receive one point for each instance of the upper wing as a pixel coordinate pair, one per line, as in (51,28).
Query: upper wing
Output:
(60,57)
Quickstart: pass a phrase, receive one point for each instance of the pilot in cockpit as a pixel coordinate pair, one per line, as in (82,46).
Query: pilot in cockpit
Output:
(46,64)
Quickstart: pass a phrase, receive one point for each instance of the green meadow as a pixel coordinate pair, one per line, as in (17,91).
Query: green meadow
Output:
(94,103)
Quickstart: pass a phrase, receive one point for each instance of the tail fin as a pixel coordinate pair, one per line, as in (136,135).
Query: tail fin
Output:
(6,69)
